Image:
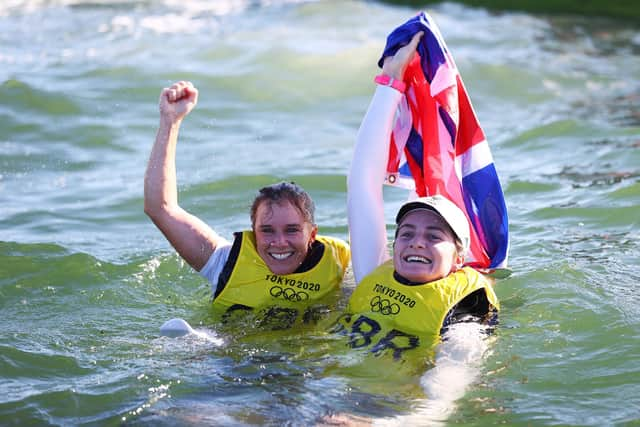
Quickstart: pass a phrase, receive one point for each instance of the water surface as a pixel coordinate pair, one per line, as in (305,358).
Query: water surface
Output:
(86,280)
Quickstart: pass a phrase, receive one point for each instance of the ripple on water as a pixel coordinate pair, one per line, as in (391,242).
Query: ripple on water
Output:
(26,98)
(86,280)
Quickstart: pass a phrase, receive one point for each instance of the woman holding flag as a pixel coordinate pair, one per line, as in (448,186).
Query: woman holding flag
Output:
(405,302)
(430,300)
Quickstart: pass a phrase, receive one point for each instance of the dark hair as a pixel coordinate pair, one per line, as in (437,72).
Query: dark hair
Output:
(281,192)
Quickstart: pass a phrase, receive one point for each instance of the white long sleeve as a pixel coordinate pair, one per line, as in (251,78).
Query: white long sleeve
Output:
(365,205)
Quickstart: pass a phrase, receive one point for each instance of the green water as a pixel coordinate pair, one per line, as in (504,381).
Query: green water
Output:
(86,280)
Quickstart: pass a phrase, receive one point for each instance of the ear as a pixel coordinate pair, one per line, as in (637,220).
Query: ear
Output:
(314,232)
(458,261)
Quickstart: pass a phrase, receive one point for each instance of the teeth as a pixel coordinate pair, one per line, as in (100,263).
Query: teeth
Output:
(415,258)
(281,256)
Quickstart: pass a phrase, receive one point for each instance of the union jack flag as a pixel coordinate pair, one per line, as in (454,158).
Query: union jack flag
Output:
(438,147)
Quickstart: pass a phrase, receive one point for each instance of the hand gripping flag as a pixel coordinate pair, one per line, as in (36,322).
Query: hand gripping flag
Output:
(438,147)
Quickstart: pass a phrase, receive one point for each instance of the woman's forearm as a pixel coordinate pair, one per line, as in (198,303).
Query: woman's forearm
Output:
(367,227)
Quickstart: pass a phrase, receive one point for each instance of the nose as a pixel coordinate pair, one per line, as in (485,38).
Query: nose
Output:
(279,239)
(418,242)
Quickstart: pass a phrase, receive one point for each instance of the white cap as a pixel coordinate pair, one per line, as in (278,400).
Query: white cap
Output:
(452,214)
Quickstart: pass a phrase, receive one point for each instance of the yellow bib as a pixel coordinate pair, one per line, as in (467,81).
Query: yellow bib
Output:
(252,286)
(385,314)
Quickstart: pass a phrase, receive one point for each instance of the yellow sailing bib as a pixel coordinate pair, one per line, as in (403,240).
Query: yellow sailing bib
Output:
(252,286)
(386,315)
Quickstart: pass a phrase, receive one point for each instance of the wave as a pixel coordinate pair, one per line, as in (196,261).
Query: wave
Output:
(218,7)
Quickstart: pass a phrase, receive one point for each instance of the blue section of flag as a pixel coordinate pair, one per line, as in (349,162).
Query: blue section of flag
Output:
(482,191)
(432,55)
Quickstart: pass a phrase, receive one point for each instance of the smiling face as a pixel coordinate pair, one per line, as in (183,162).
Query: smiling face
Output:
(425,247)
(282,235)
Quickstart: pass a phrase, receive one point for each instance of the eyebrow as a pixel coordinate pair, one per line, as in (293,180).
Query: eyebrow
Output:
(286,225)
(406,225)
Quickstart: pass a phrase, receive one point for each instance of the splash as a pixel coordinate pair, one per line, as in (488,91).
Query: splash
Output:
(458,365)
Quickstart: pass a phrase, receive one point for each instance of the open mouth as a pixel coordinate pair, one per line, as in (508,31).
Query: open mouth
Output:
(280,255)
(417,259)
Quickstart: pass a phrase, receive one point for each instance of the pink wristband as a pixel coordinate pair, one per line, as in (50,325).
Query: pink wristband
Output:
(385,80)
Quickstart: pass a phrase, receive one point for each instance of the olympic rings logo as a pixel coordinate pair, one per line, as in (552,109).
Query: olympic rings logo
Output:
(288,294)
(384,306)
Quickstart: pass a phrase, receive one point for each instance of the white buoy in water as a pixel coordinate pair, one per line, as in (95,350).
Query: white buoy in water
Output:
(176,328)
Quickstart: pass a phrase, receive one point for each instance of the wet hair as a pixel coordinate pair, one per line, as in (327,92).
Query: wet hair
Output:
(285,192)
